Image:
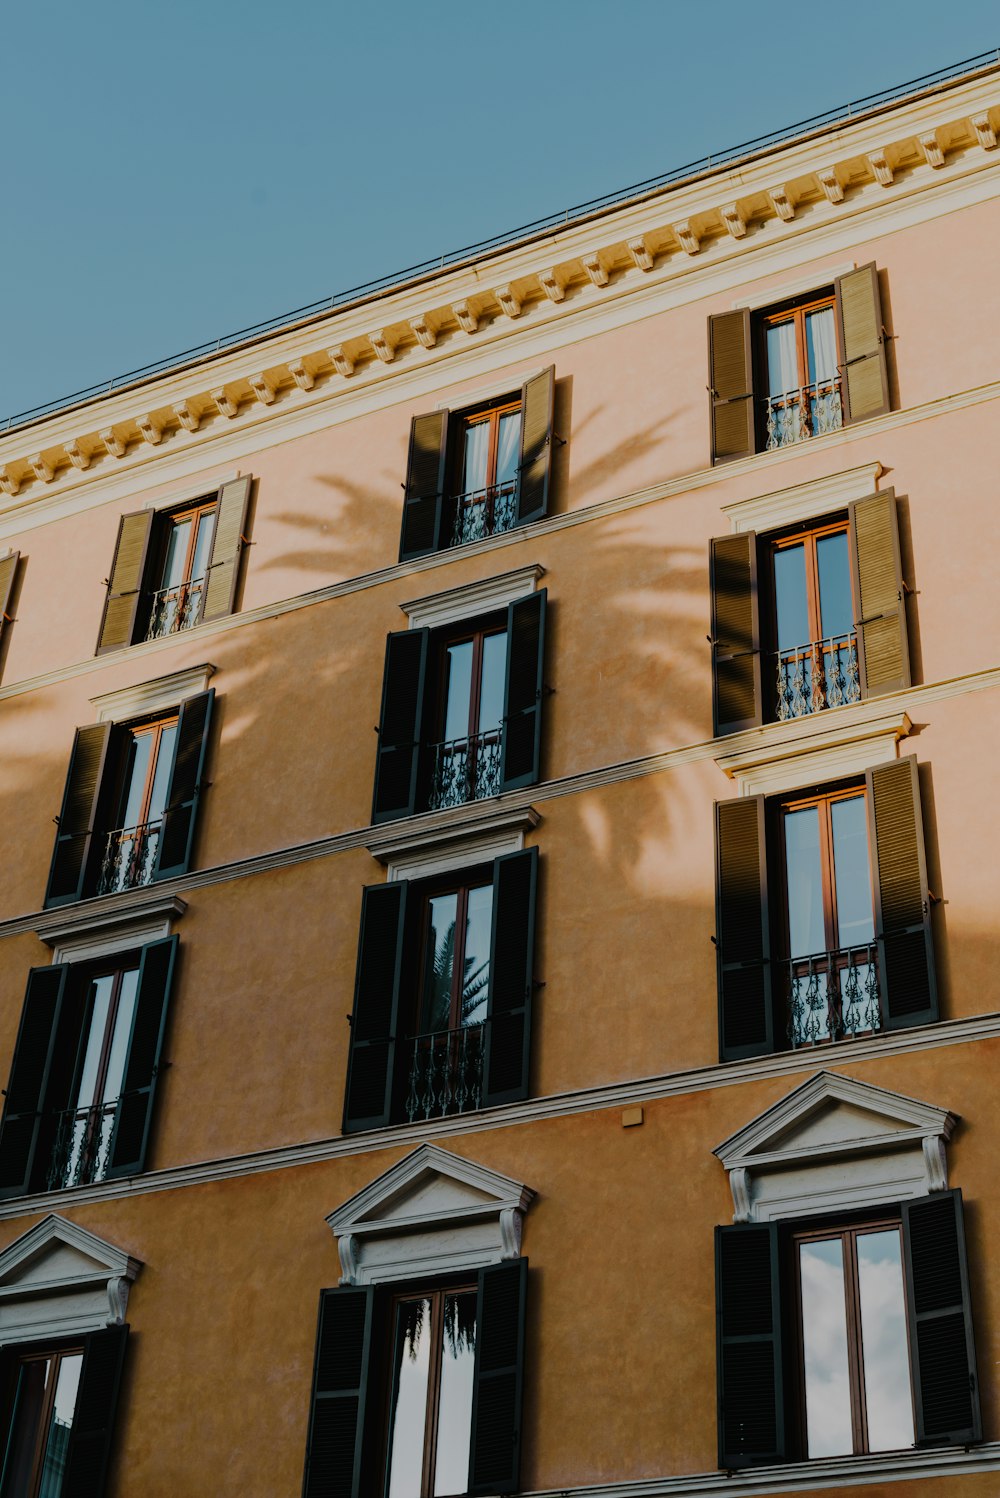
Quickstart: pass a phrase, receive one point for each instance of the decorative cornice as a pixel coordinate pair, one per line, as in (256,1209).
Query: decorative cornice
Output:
(152,696)
(815,750)
(470,599)
(642,237)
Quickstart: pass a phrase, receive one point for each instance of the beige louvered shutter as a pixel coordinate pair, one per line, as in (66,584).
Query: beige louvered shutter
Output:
(737,692)
(121,607)
(537,398)
(906,970)
(883,654)
(228,544)
(862,344)
(423,502)
(8,572)
(730,378)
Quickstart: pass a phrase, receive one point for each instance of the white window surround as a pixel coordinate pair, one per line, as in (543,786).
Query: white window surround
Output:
(414,854)
(483,393)
(102,934)
(152,696)
(836,1144)
(59,1280)
(204,490)
(431,1213)
(813,750)
(472,599)
(780,293)
(808,501)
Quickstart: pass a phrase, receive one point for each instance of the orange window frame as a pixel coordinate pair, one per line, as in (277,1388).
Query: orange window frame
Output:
(55,1358)
(471,419)
(798,316)
(823,802)
(195,514)
(432,1408)
(809,540)
(135,731)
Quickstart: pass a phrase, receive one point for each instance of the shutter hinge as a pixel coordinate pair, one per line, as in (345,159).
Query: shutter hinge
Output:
(538,983)
(714,940)
(548,691)
(349,1018)
(935,899)
(556,437)
(56,820)
(9,619)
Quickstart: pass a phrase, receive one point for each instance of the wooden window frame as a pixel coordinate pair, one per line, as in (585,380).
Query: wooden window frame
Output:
(54,1355)
(808,534)
(462,886)
(131,731)
(163,525)
(797,312)
(436,1294)
(475,632)
(489,411)
(86,979)
(824,799)
(848,1233)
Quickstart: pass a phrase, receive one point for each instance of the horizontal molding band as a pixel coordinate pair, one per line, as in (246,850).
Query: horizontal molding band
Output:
(783,739)
(688,483)
(514,1115)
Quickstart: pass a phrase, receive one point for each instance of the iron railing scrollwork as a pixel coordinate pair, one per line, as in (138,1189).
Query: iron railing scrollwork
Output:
(834,995)
(81,1149)
(465,769)
(811,411)
(446,1072)
(174,609)
(823,673)
(129,857)
(484,512)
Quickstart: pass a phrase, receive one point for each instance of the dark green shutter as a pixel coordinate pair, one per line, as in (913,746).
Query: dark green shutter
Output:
(400,725)
(939,1312)
(512,943)
(748,1346)
(173,854)
(28,1083)
(229,540)
(92,1432)
(862,344)
(375,1018)
(743,950)
(907,979)
(521,740)
(121,607)
(535,467)
(495,1447)
(426,476)
(130,1137)
(71,855)
(730,380)
(883,652)
(335,1446)
(737,696)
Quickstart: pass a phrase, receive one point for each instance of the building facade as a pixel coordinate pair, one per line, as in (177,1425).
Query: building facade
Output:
(496,928)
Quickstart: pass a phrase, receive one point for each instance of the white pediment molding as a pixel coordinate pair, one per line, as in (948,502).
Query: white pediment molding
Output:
(472,599)
(431,1213)
(60,1280)
(836,1143)
(152,696)
(805,501)
(415,852)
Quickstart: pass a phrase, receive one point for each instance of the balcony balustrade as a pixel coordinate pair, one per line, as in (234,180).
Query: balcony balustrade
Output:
(484,512)
(174,609)
(810,411)
(81,1150)
(465,770)
(833,995)
(129,858)
(446,1072)
(823,673)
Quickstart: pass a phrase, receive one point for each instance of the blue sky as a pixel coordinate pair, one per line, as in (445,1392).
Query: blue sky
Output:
(173,172)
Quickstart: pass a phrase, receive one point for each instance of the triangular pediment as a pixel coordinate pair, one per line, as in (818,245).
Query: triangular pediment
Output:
(832,1114)
(430,1185)
(58,1252)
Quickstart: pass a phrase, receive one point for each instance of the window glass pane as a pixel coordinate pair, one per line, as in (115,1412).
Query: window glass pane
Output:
(455,1401)
(22,1442)
(821,345)
(458,686)
(508,447)
(118,1051)
(855,923)
(177,546)
(883,1340)
(408,1412)
(161,775)
(824,1348)
(477,456)
(475,979)
(202,546)
(440,962)
(137,765)
(56,1445)
(790,597)
(806,928)
(99,999)
(836,609)
(782,358)
(494,673)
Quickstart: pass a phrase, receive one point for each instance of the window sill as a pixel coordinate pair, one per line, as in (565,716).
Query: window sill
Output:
(813,750)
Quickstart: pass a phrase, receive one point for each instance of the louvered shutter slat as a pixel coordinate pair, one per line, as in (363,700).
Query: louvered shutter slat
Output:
(521,739)
(731,384)
(400,724)
(942,1342)
(371,1068)
(228,544)
(862,344)
(535,467)
(71,855)
(746,1009)
(335,1446)
(748,1319)
(883,652)
(8,572)
(89,1450)
(495,1446)
(29,1076)
(508,1038)
(133,1120)
(737,696)
(177,832)
(902,904)
(426,470)
(121,607)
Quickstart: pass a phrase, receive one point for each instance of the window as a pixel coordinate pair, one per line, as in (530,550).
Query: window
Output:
(809,618)
(8,580)
(417,1392)
(798,369)
(130,803)
(842,1338)
(823,915)
(442,1003)
(461,711)
(79,1101)
(477,472)
(174,569)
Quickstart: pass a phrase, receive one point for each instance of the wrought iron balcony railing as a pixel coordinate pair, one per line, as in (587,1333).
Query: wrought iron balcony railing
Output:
(834,995)
(821,674)
(174,609)
(129,858)
(446,1072)
(81,1150)
(808,412)
(465,770)
(484,512)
